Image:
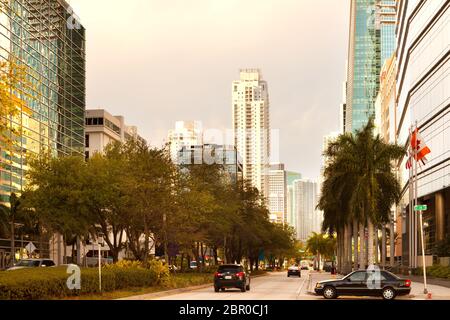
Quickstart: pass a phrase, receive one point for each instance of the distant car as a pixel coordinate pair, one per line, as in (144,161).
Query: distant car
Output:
(92,258)
(231,276)
(32,263)
(365,283)
(294,271)
(193,265)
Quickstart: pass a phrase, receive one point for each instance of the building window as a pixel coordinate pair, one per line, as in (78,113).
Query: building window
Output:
(87,141)
(86,154)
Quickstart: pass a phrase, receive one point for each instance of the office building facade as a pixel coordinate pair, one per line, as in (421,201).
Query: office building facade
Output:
(371,41)
(423,97)
(309,219)
(102,128)
(290,199)
(251,125)
(185,134)
(278,193)
(212,154)
(42,38)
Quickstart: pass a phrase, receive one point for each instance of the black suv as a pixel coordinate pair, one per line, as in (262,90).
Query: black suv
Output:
(231,276)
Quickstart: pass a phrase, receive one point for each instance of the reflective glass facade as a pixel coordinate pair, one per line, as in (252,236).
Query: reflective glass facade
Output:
(42,36)
(387,18)
(371,43)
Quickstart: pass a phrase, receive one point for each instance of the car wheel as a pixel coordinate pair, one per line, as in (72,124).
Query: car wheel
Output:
(329,293)
(216,289)
(288,275)
(243,289)
(388,294)
(223,289)
(247,287)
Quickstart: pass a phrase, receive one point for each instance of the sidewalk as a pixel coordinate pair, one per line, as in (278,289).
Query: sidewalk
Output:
(430,280)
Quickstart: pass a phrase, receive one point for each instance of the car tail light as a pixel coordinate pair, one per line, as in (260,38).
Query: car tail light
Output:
(408,283)
(217,274)
(240,275)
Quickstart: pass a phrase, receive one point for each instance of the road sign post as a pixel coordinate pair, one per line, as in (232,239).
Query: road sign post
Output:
(420,209)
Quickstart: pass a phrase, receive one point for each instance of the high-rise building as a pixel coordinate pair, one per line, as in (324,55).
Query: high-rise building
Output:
(423,97)
(343,110)
(252,127)
(386,105)
(386,16)
(277,193)
(371,41)
(309,219)
(103,128)
(209,154)
(42,37)
(186,134)
(290,178)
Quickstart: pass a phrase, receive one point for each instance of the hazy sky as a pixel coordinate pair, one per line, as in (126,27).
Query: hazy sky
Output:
(159,61)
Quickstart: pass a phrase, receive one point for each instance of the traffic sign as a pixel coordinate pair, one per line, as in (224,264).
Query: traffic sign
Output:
(30,247)
(422,207)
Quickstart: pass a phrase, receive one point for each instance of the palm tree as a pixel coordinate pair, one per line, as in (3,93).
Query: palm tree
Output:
(320,246)
(360,186)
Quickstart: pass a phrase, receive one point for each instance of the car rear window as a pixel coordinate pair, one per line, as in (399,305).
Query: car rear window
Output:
(389,276)
(230,269)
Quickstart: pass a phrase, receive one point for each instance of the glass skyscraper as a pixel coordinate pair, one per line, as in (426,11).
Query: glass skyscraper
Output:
(386,16)
(43,37)
(371,42)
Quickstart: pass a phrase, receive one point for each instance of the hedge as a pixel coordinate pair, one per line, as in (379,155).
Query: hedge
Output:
(46,283)
(436,271)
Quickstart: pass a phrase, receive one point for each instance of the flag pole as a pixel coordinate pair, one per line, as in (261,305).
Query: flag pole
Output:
(422,242)
(416,195)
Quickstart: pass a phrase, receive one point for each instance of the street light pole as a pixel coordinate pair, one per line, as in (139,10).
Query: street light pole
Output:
(99,261)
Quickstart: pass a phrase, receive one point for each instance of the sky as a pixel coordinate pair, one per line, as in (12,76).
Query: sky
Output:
(159,61)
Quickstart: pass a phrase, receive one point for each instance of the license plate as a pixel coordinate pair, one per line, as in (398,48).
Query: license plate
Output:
(228,277)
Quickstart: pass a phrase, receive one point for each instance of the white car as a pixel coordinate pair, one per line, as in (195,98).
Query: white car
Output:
(32,263)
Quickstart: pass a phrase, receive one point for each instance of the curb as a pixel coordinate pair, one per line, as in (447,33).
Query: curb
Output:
(165,293)
(171,292)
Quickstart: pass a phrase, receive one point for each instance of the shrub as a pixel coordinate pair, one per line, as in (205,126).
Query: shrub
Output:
(44,283)
(435,271)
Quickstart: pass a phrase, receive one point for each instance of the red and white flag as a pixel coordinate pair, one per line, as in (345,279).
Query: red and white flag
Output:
(419,149)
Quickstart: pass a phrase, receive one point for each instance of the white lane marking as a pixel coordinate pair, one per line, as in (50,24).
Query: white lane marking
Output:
(299,291)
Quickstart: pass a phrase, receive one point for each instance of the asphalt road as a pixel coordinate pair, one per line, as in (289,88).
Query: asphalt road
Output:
(275,286)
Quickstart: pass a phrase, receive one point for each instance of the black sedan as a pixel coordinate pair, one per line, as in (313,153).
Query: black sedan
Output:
(365,283)
(231,276)
(294,271)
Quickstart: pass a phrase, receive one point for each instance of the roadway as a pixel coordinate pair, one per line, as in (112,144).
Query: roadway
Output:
(277,286)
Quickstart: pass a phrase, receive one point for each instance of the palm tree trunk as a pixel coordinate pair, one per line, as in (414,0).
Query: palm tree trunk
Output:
(370,252)
(362,263)
(345,254)
(376,246)
(383,246)
(349,247)
(392,245)
(339,249)
(355,245)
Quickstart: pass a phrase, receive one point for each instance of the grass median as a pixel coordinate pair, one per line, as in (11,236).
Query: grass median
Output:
(175,281)
(51,283)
